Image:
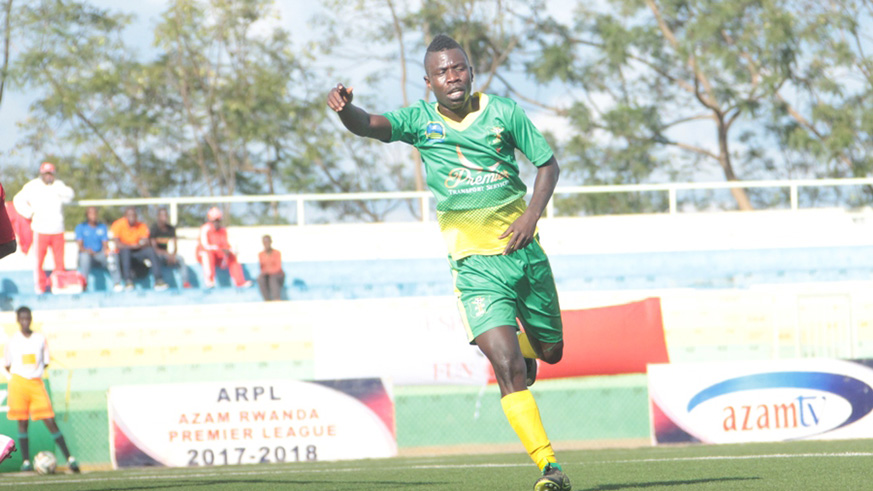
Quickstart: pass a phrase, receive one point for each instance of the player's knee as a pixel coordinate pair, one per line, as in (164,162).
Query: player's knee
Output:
(553,353)
(507,369)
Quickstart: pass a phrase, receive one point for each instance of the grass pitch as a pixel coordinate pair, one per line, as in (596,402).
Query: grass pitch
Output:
(840,465)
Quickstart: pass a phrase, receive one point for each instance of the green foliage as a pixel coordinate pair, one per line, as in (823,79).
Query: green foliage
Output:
(650,90)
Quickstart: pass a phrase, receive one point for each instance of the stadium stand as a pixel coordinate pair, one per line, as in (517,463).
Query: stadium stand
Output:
(751,287)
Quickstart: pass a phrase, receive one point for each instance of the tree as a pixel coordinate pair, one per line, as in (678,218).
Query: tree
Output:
(654,73)
(223,108)
(826,129)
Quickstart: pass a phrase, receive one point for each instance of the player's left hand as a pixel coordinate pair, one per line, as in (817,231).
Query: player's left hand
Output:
(520,233)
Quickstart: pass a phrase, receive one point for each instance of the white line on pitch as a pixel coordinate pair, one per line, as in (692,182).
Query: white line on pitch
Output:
(221,473)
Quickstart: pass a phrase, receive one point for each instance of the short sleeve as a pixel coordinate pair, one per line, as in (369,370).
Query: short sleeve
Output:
(528,138)
(405,124)
(80,234)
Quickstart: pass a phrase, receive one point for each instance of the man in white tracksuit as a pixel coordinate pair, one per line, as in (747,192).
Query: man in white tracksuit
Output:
(42,200)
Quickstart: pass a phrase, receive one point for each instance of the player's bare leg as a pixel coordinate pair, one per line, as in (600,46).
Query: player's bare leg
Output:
(500,346)
(550,353)
(533,349)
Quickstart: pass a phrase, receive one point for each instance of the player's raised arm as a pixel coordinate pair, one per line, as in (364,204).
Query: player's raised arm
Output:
(355,119)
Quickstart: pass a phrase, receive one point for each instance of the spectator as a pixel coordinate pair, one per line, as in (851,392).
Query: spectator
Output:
(214,251)
(162,235)
(132,242)
(7,236)
(42,200)
(26,358)
(93,239)
(272,278)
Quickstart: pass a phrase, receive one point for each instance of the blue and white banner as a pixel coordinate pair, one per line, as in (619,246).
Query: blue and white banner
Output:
(761,401)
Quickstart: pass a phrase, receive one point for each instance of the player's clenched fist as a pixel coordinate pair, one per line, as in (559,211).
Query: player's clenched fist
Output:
(339,97)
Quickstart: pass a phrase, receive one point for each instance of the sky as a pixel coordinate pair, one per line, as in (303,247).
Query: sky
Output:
(295,16)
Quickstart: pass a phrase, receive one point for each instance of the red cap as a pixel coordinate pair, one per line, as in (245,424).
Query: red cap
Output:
(214,214)
(47,168)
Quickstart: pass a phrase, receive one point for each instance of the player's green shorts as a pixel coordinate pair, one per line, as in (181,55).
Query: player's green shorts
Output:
(496,290)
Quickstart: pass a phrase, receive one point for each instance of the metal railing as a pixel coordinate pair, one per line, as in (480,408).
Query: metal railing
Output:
(425,196)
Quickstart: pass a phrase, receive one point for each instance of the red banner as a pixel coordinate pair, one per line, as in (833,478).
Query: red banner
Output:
(610,340)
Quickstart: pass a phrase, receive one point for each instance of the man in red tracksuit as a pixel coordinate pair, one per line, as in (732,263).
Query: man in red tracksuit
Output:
(42,200)
(214,251)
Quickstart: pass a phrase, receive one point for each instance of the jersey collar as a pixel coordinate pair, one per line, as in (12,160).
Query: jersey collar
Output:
(469,118)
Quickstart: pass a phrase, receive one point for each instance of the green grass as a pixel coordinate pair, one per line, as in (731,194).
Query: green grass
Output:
(837,465)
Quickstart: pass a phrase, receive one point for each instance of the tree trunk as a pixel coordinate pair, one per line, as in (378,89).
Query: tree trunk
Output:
(724,159)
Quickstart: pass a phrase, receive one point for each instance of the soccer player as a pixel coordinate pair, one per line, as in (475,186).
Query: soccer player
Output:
(26,357)
(467,142)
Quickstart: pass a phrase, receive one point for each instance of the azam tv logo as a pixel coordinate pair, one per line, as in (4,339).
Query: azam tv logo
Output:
(778,405)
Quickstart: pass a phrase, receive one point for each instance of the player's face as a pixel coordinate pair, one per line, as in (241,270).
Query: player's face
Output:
(91,214)
(130,214)
(450,77)
(162,216)
(47,177)
(24,319)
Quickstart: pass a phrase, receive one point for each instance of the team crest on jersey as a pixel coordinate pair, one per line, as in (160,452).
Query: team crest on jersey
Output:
(435,131)
(478,306)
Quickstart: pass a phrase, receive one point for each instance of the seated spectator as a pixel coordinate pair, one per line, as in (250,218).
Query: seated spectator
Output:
(132,241)
(162,235)
(272,278)
(214,251)
(93,239)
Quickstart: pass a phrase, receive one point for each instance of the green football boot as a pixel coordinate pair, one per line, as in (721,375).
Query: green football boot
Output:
(553,480)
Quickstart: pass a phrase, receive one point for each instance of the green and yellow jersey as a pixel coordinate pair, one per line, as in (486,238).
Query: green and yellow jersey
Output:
(471,168)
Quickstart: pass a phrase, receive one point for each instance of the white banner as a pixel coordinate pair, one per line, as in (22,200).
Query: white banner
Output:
(761,401)
(214,423)
(416,341)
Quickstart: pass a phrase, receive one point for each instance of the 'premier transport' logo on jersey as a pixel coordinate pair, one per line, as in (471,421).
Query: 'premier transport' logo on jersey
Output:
(471,174)
(788,404)
(435,131)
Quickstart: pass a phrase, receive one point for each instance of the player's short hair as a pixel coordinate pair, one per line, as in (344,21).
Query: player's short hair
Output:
(22,310)
(443,42)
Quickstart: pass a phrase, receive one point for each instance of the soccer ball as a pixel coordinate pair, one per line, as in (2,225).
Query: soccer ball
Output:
(45,462)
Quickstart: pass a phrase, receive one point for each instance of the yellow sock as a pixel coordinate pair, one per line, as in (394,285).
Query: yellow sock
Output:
(524,417)
(527,350)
